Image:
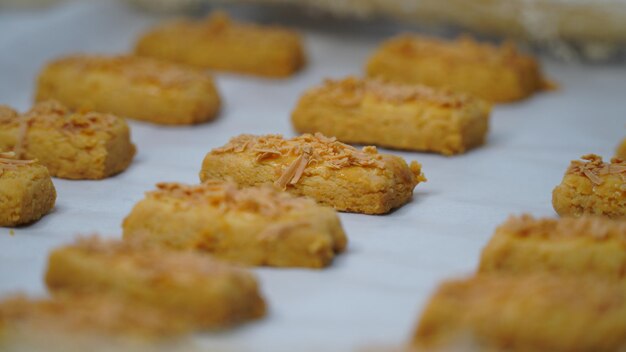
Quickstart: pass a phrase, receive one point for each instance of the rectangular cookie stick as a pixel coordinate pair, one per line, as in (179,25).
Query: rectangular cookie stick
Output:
(73,145)
(592,187)
(588,245)
(221,44)
(332,173)
(134,87)
(253,226)
(26,191)
(524,313)
(395,115)
(209,293)
(497,74)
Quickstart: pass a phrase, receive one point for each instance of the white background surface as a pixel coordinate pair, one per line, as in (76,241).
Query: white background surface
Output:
(374,293)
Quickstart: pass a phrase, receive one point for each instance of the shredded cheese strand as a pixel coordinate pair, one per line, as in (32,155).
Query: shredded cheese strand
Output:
(8,162)
(594,167)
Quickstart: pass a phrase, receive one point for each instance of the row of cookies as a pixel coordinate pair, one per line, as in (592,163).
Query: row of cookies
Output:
(290,166)
(370,111)
(542,285)
(421,94)
(338,107)
(254,226)
(414,99)
(523,246)
(89,145)
(92,145)
(544,256)
(415,96)
(33,135)
(463,65)
(257,225)
(163,81)
(52,141)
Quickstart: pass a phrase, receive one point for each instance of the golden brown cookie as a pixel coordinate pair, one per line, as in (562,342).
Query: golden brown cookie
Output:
(493,73)
(203,291)
(524,313)
(592,186)
(589,245)
(218,43)
(26,191)
(254,225)
(332,173)
(394,115)
(128,86)
(71,144)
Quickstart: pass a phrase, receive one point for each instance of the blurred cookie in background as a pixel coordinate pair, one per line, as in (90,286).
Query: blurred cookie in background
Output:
(580,30)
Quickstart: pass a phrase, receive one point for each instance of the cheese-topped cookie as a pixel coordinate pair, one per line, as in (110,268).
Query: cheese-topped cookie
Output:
(319,167)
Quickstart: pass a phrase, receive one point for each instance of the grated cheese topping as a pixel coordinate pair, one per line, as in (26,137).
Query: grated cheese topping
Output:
(8,161)
(596,227)
(463,48)
(351,91)
(307,149)
(52,114)
(594,168)
(219,27)
(228,196)
(153,260)
(138,69)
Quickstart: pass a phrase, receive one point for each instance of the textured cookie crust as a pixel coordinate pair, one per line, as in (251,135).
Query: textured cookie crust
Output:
(524,313)
(497,74)
(395,115)
(588,245)
(592,186)
(252,226)
(220,44)
(332,173)
(73,145)
(135,87)
(209,293)
(26,191)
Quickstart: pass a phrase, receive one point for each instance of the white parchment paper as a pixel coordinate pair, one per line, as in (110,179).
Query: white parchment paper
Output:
(374,293)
